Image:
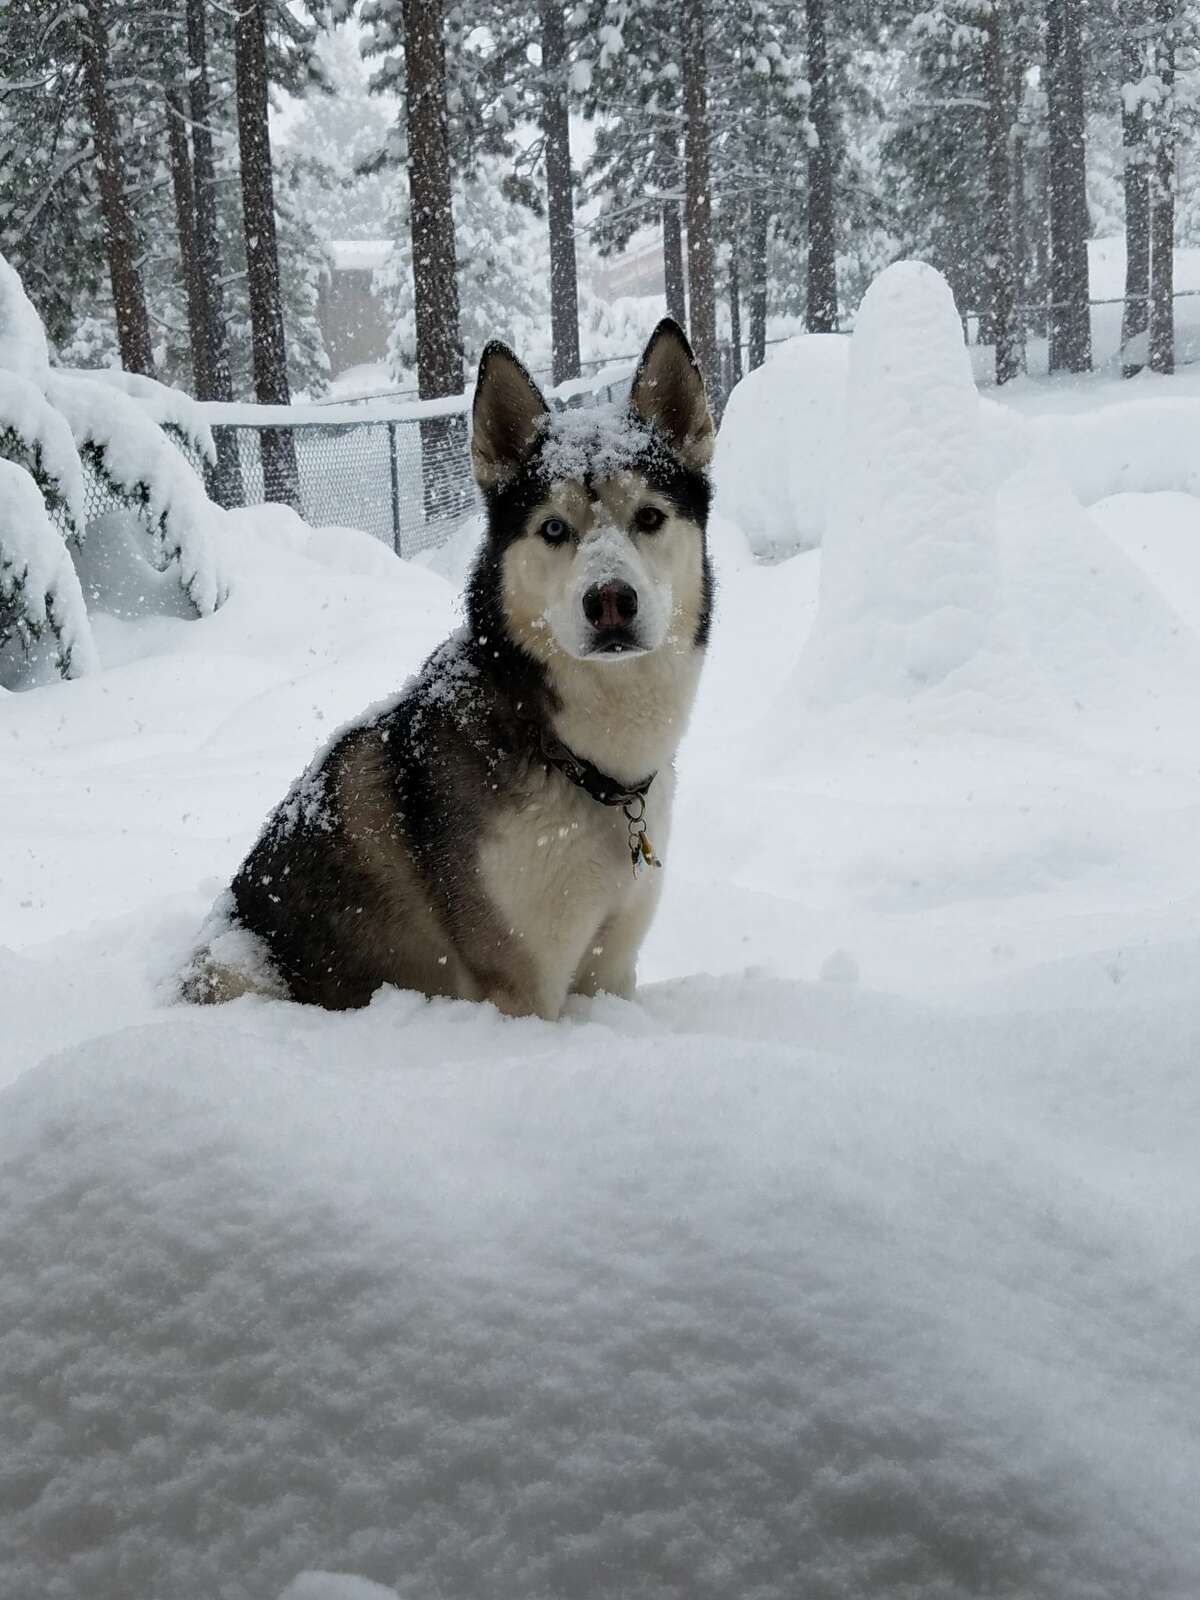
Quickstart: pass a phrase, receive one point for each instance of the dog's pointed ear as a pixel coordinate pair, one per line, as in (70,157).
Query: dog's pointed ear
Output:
(507,416)
(668,394)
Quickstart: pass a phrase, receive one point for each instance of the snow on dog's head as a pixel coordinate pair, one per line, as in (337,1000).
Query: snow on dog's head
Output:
(596,517)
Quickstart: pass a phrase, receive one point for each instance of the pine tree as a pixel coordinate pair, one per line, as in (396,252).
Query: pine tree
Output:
(822,301)
(213,377)
(1002,255)
(560,208)
(1135,318)
(702,323)
(1162,191)
(280,474)
(1070,321)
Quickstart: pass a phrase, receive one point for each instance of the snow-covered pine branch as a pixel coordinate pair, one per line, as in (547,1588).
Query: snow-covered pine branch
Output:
(131,455)
(39,589)
(55,425)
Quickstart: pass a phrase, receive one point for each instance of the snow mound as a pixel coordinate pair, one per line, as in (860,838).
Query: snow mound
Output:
(23,347)
(653,1301)
(1102,639)
(335,1586)
(38,584)
(908,573)
(771,468)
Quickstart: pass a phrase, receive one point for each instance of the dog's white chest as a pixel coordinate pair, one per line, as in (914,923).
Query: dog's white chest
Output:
(559,868)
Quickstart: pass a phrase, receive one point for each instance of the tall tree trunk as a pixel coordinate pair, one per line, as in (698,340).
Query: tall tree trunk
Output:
(119,232)
(560,203)
(183,190)
(226,482)
(1001,256)
(1162,193)
(673,278)
(434,257)
(735,311)
(822,306)
(759,223)
(434,254)
(701,282)
(1135,317)
(1020,230)
(1070,323)
(268,346)
(666,172)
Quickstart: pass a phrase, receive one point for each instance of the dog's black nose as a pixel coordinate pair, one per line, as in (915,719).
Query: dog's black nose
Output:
(610,605)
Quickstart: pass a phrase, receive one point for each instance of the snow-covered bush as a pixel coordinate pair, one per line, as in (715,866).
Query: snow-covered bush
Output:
(56,427)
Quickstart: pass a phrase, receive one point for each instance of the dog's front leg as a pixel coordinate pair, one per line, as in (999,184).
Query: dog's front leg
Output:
(609,965)
(512,1002)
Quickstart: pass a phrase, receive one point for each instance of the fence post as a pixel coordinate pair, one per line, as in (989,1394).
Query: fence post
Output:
(391,428)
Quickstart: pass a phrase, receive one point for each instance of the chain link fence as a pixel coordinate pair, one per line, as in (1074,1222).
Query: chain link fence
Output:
(405,483)
(403,478)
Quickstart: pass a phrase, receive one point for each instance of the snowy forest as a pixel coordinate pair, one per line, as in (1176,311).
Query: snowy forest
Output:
(599,940)
(159,212)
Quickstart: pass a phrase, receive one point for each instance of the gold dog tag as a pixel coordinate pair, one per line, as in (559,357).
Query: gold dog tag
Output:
(642,852)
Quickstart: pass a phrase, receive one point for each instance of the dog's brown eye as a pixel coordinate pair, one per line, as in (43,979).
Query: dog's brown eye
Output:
(555,531)
(649,519)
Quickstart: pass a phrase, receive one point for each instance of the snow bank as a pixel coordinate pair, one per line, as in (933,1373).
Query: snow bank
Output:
(335,1586)
(656,1301)
(36,575)
(774,449)
(908,572)
(1143,446)
(1101,637)
(144,465)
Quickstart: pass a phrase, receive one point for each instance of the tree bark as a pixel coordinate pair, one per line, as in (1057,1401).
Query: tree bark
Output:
(182,188)
(822,303)
(267,342)
(119,231)
(1001,254)
(667,175)
(1162,194)
(560,202)
(759,223)
(672,231)
(226,480)
(735,312)
(1135,316)
(1070,323)
(701,282)
(434,254)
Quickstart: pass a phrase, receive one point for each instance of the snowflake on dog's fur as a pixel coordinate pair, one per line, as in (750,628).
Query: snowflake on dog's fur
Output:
(597,442)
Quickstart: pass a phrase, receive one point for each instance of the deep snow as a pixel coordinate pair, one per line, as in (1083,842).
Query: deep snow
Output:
(856,1258)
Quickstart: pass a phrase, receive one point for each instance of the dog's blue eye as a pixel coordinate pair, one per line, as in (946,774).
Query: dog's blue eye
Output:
(555,531)
(649,519)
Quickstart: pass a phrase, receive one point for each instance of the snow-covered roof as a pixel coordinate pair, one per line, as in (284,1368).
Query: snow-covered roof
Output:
(358,255)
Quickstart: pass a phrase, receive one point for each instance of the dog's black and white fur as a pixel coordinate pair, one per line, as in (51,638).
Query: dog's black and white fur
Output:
(441,843)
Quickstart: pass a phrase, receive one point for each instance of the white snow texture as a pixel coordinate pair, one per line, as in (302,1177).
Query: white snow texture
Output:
(853,1260)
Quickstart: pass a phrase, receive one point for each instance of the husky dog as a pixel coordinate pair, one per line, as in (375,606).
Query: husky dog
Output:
(491,833)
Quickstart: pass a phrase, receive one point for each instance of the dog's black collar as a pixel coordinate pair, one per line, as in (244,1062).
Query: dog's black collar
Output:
(608,791)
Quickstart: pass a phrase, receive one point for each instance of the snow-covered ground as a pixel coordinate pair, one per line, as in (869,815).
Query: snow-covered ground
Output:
(857,1258)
